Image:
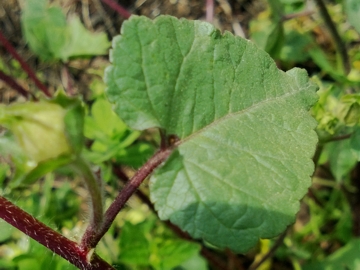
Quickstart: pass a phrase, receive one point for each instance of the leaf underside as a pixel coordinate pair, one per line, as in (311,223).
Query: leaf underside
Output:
(246,138)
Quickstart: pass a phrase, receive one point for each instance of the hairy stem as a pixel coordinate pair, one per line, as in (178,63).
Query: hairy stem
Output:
(335,35)
(24,65)
(92,237)
(94,187)
(119,9)
(14,85)
(49,238)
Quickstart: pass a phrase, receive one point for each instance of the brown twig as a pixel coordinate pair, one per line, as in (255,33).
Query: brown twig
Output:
(118,8)
(297,15)
(271,252)
(24,65)
(337,138)
(14,85)
(335,35)
(105,17)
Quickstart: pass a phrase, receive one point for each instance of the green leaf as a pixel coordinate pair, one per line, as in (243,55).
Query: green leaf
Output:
(196,262)
(352,9)
(82,42)
(295,46)
(112,137)
(134,245)
(52,38)
(268,35)
(38,127)
(141,245)
(6,231)
(346,257)
(44,28)
(321,60)
(41,169)
(104,122)
(73,120)
(135,155)
(173,252)
(49,134)
(355,143)
(245,135)
(341,157)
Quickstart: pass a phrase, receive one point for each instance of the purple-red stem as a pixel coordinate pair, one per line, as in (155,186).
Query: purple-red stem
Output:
(91,238)
(118,8)
(49,238)
(14,85)
(23,64)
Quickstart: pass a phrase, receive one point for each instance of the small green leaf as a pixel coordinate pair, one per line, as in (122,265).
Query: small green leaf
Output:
(135,155)
(341,157)
(245,135)
(141,245)
(295,46)
(6,231)
(196,262)
(355,143)
(38,127)
(82,42)
(352,9)
(346,257)
(49,134)
(44,29)
(40,170)
(52,38)
(267,31)
(103,122)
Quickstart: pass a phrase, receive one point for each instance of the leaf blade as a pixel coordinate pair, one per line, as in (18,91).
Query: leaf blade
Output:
(229,104)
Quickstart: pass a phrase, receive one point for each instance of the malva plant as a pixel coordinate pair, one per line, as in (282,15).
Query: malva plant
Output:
(237,140)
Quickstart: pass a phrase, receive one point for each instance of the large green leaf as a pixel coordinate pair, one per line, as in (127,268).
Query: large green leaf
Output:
(246,139)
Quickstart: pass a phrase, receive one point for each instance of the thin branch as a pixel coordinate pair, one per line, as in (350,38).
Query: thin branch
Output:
(271,252)
(297,15)
(67,81)
(210,11)
(91,238)
(214,260)
(338,138)
(49,238)
(108,23)
(335,35)
(14,85)
(24,65)
(118,8)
